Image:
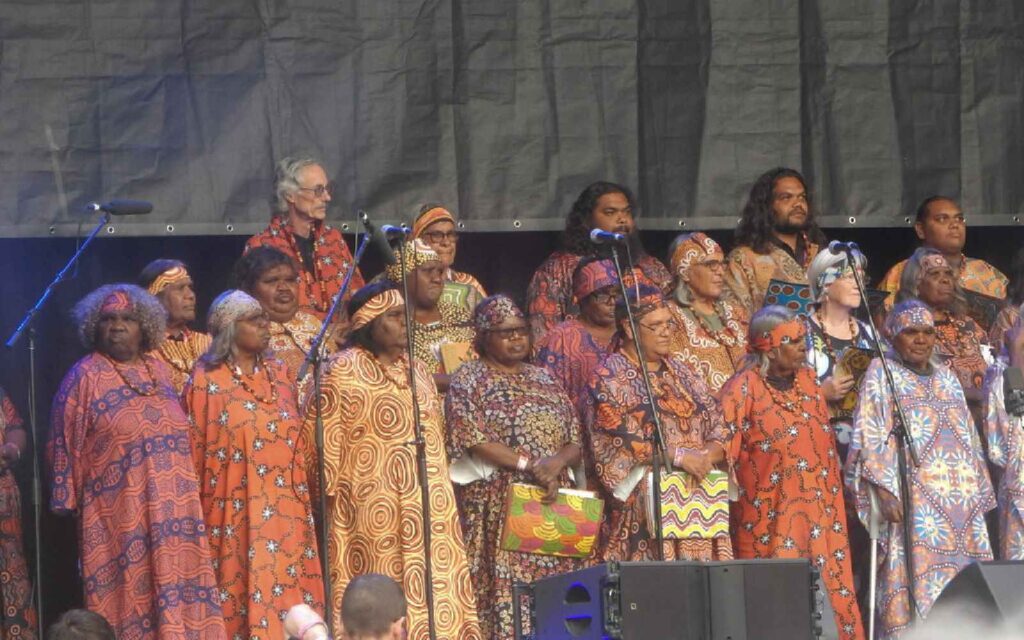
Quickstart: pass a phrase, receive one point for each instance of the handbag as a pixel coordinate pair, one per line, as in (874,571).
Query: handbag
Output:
(689,509)
(567,527)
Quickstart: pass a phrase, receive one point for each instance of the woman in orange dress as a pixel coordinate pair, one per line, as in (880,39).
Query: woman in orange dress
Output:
(250,459)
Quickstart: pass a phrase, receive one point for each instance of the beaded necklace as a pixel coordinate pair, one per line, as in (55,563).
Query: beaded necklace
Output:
(239,378)
(791,405)
(128,383)
(310,279)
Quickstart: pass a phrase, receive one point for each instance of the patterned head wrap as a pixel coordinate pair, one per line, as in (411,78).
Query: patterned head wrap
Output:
(429,217)
(907,314)
(174,275)
(375,307)
(116,302)
(417,252)
(594,276)
(644,299)
(696,248)
(494,310)
(229,307)
(784,333)
(931,261)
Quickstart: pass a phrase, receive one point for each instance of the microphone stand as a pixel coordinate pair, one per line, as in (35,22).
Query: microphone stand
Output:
(904,443)
(659,455)
(419,441)
(27,325)
(315,358)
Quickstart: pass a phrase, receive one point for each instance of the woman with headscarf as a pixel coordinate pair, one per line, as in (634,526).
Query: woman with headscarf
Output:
(508,421)
(435,321)
(374,509)
(1005,435)
(712,335)
(950,487)
(832,329)
(790,501)
(270,276)
(959,340)
(437,227)
(119,453)
(621,424)
(572,349)
(250,458)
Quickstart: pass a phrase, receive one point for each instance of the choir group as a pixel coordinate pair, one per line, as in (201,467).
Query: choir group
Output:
(189,458)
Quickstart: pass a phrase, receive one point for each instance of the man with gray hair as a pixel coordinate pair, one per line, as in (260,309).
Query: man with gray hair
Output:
(301,195)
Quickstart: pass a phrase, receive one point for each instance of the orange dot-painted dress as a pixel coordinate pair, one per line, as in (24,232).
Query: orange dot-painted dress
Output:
(374,511)
(790,491)
(251,463)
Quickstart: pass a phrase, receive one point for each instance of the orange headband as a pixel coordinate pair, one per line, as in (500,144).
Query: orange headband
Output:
(786,333)
(428,218)
(173,275)
(375,307)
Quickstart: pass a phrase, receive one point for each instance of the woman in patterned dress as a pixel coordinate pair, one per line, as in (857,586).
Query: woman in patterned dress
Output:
(17,615)
(950,491)
(271,277)
(620,426)
(250,458)
(508,421)
(119,454)
(374,507)
(712,334)
(436,226)
(790,502)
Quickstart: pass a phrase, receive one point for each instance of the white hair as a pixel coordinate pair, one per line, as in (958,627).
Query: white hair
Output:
(287,181)
(766,319)
(826,259)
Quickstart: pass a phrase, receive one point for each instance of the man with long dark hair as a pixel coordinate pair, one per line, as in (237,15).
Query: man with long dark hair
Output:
(602,205)
(777,237)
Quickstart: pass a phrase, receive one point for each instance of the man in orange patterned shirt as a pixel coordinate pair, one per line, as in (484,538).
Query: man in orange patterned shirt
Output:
(298,229)
(941,225)
(172,285)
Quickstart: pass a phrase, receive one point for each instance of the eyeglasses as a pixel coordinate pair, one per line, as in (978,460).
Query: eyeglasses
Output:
(319,190)
(511,333)
(436,237)
(713,265)
(666,326)
(606,297)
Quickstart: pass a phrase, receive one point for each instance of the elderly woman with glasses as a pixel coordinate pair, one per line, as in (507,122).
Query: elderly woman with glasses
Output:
(436,226)
(508,421)
(620,426)
(374,507)
(712,334)
(250,458)
(572,349)
(119,451)
(950,487)
(790,491)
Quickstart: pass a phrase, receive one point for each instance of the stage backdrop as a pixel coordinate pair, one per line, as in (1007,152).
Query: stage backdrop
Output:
(503,110)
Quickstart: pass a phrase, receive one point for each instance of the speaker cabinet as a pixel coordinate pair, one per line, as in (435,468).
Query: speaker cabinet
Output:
(985,590)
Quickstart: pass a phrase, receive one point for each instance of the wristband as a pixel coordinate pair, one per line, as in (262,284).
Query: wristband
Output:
(522,463)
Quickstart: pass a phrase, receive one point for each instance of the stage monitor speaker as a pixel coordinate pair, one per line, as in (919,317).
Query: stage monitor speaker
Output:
(627,601)
(768,600)
(736,600)
(985,590)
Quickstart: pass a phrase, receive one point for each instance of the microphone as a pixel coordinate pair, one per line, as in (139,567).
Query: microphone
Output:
(838,248)
(378,237)
(598,236)
(122,207)
(391,231)
(1013,391)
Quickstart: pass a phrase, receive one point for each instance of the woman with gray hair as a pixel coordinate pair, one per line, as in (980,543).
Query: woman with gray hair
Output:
(832,330)
(119,450)
(249,454)
(959,340)
(950,487)
(298,228)
(783,452)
